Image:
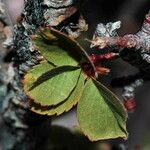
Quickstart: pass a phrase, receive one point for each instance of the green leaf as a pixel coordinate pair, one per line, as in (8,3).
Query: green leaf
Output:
(65,105)
(75,49)
(58,84)
(48,86)
(100,113)
(60,49)
(54,53)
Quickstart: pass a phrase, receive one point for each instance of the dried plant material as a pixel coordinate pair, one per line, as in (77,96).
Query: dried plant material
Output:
(108,30)
(58,11)
(99,42)
(74,30)
(58,3)
(104,33)
(55,16)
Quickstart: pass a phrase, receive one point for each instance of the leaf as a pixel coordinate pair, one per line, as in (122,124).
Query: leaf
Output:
(100,114)
(60,49)
(65,105)
(58,84)
(114,103)
(54,53)
(50,74)
(75,48)
(55,88)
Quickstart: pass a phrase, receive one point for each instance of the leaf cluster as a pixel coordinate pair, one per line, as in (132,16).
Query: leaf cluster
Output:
(59,82)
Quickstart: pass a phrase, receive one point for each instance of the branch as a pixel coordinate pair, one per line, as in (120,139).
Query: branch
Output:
(139,41)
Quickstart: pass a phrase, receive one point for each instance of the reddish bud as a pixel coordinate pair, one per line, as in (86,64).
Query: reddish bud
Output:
(95,58)
(102,70)
(130,105)
(88,70)
(147,19)
(122,42)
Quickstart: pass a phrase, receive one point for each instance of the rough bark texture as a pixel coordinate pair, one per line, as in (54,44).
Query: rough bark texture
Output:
(17,121)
